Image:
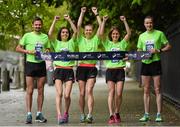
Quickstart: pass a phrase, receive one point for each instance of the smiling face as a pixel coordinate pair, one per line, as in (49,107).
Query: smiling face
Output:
(115,35)
(148,23)
(37,25)
(88,31)
(64,34)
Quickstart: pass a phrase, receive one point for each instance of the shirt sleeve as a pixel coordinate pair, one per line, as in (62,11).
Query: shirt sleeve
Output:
(23,40)
(139,44)
(163,38)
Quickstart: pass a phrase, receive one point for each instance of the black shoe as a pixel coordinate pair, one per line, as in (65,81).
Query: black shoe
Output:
(40,118)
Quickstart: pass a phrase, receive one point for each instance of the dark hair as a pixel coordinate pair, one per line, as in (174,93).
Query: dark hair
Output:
(37,19)
(149,17)
(111,30)
(59,33)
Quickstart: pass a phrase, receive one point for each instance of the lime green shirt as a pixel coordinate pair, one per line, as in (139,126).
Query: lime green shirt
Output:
(118,46)
(149,40)
(88,45)
(29,40)
(60,46)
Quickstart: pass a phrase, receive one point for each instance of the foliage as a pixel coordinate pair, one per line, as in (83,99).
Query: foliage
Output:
(17,18)
(16,15)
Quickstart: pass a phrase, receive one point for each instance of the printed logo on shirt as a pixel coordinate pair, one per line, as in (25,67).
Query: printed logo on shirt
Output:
(64,50)
(115,49)
(149,45)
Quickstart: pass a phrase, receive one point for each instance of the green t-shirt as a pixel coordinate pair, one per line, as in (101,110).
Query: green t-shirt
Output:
(149,40)
(111,46)
(60,46)
(29,40)
(88,45)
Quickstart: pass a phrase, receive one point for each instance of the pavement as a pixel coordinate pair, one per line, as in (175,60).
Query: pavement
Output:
(13,113)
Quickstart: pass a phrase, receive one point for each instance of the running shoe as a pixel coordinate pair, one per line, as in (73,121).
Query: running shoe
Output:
(29,119)
(66,118)
(82,118)
(145,118)
(158,118)
(89,119)
(111,120)
(60,119)
(40,118)
(117,118)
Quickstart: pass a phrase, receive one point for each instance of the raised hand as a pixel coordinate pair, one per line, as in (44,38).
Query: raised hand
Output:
(66,16)
(105,18)
(94,10)
(56,18)
(122,18)
(83,9)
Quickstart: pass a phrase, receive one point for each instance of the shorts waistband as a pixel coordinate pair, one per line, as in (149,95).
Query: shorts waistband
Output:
(64,67)
(87,65)
(117,68)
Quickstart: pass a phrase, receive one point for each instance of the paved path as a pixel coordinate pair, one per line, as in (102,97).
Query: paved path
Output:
(12,107)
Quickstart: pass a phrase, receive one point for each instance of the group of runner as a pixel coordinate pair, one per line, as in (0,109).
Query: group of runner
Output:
(151,40)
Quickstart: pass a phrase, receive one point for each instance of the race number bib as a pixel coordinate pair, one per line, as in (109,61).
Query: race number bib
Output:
(149,45)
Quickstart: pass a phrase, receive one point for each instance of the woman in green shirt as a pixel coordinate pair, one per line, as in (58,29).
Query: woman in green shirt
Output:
(63,69)
(115,74)
(86,71)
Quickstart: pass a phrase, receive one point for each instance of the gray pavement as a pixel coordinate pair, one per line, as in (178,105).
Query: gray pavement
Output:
(12,107)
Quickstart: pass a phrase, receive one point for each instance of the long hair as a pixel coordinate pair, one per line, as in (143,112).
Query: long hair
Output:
(111,30)
(59,33)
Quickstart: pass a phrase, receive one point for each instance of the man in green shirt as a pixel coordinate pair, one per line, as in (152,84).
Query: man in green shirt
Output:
(155,42)
(29,43)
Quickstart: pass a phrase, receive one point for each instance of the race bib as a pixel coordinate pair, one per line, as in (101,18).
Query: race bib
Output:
(149,45)
(115,49)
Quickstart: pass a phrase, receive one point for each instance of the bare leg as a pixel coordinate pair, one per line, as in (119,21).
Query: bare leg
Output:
(67,95)
(29,93)
(40,86)
(59,94)
(157,88)
(146,84)
(118,97)
(82,86)
(89,89)
(111,97)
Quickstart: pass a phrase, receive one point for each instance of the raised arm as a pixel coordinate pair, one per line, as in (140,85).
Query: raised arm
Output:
(128,35)
(95,11)
(83,10)
(101,33)
(51,30)
(67,17)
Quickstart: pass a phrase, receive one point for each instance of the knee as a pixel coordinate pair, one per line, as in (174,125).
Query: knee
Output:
(90,91)
(40,91)
(66,97)
(29,92)
(146,90)
(82,94)
(157,91)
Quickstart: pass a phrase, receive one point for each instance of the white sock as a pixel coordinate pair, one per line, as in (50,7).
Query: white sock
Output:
(29,113)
